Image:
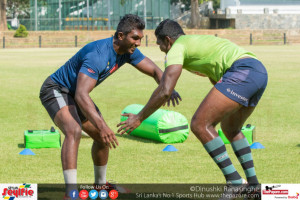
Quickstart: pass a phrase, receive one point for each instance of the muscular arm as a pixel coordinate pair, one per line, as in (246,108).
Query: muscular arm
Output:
(161,94)
(148,67)
(85,85)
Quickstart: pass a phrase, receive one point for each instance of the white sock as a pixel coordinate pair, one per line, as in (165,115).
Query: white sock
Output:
(70,176)
(100,174)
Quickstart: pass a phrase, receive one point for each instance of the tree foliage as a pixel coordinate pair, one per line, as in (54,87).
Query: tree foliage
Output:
(216,3)
(19,8)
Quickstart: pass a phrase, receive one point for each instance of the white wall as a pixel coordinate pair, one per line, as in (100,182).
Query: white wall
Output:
(260,9)
(257,7)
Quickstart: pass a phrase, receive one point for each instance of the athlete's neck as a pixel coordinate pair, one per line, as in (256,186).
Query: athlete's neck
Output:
(117,47)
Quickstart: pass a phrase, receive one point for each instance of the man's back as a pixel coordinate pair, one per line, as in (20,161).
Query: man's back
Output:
(205,55)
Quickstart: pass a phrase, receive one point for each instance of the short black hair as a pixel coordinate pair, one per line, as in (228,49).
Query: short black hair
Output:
(128,23)
(168,28)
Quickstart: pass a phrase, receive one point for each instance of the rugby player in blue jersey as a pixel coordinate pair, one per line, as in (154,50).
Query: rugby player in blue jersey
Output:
(65,94)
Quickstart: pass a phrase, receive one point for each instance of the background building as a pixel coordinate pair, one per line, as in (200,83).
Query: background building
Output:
(257,14)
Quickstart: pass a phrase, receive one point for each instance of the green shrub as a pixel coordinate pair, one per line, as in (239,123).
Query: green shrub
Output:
(9,26)
(21,32)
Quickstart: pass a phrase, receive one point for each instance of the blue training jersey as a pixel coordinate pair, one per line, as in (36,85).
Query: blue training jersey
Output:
(97,59)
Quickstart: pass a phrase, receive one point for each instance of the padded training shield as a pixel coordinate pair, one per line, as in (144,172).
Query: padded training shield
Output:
(248,131)
(163,125)
(42,139)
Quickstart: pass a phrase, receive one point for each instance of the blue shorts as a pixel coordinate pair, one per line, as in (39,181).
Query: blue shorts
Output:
(244,82)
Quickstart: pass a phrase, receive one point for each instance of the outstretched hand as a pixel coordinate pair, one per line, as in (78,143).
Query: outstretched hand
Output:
(130,124)
(109,138)
(175,97)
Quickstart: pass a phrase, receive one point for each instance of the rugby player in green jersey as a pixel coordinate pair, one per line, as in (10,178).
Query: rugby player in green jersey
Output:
(239,80)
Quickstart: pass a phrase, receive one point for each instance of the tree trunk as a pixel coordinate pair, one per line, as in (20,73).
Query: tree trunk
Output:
(195,15)
(3,24)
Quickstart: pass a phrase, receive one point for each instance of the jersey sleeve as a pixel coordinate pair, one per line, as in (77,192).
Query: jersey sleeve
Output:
(136,57)
(92,66)
(175,56)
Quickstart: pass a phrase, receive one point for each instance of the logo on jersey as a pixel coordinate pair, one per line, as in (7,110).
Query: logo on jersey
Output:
(91,71)
(114,68)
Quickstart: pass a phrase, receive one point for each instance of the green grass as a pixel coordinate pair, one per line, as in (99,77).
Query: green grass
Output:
(137,160)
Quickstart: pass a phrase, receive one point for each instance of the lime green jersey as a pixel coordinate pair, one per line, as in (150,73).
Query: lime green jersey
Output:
(205,55)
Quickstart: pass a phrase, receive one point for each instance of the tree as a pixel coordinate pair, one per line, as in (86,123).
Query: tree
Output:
(17,8)
(216,4)
(3,23)
(195,15)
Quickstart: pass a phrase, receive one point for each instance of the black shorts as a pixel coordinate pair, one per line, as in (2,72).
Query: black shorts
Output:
(54,97)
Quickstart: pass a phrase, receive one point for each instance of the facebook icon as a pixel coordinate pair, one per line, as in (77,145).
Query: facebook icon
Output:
(74,194)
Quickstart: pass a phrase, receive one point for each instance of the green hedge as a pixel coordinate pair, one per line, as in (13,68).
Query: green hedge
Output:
(21,32)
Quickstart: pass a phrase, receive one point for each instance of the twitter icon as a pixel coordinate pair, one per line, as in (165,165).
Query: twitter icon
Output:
(93,194)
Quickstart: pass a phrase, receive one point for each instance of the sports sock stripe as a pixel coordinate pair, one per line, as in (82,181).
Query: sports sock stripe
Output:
(248,164)
(250,172)
(228,170)
(233,176)
(243,152)
(252,180)
(213,144)
(245,158)
(225,163)
(217,151)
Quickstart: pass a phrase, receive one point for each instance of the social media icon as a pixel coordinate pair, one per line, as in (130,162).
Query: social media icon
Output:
(103,194)
(83,194)
(93,194)
(74,194)
(113,194)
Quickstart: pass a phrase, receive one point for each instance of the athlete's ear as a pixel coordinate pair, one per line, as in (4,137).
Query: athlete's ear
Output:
(121,35)
(170,40)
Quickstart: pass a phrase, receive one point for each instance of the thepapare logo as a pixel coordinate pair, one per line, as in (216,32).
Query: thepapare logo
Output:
(270,190)
(17,191)
(236,95)
(272,187)
(294,197)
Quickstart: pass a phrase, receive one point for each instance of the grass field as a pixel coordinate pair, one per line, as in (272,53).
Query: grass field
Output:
(22,72)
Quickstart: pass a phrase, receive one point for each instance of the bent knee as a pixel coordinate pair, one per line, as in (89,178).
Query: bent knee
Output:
(197,127)
(73,133)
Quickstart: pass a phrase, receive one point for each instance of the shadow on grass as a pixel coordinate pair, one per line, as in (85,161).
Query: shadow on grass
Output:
(137,139)
(298,145)
(21,146)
